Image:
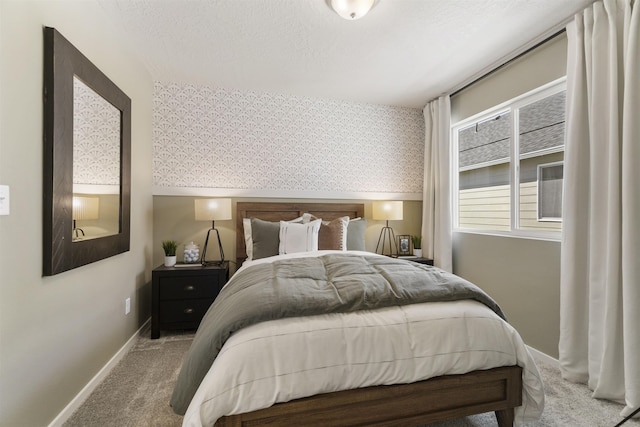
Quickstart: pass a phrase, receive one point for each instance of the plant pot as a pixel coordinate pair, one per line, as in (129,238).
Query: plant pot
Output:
(169,261)
(418,253)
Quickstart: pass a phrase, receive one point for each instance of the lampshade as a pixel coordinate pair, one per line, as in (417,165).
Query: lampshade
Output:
(351,9)
(86,208)
(387,210)
(213,209)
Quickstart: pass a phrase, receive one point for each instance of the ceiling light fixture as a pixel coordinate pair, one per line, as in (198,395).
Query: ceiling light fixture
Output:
(352,9)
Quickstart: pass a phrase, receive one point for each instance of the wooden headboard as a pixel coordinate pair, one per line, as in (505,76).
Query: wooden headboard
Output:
(286,212)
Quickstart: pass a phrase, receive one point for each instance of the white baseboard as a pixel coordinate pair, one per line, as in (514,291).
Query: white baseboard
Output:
(544,357)
(75,403)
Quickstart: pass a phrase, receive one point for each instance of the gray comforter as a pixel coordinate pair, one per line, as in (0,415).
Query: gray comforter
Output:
(308,286)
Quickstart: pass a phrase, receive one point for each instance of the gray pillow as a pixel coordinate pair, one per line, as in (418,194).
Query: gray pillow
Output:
(355,234)
(266,238)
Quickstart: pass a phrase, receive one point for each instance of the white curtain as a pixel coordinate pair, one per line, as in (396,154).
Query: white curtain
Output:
(436,200)
(600,279)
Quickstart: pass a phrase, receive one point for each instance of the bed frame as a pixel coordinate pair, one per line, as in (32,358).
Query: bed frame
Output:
(437,399)
(433,400)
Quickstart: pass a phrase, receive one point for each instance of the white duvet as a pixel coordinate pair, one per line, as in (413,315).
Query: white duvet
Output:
(286,359)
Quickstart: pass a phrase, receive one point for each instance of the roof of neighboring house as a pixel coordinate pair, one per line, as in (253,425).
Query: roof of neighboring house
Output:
(541,127)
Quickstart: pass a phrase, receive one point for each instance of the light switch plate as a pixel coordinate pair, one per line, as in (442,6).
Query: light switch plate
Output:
(4,200)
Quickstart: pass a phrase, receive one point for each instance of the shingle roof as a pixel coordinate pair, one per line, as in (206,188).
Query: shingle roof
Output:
(541,127)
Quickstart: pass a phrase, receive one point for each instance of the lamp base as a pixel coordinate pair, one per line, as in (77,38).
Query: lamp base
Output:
(76,231)
(203,257)
(387,233)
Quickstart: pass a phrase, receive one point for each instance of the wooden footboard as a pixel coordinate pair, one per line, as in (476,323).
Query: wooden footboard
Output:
(433,400)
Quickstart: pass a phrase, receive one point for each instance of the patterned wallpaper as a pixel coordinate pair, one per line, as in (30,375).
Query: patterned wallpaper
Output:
(96,138)
(212,138)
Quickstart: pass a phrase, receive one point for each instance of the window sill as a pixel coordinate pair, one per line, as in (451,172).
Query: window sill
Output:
(545,236)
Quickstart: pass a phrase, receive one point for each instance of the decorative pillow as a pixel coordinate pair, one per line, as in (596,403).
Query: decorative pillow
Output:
(266,240)
(264,235)
(295,237)
(333,234)
(355,234)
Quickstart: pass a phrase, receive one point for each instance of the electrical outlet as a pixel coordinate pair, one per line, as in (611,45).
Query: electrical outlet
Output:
(127,306)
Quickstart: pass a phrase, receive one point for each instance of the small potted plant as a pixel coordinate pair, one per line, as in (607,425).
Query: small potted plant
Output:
(417,245)
(169,247)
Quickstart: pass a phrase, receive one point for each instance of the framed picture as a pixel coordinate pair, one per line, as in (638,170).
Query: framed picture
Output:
(404,245)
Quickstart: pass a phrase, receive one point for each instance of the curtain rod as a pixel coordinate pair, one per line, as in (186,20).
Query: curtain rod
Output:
(504,63)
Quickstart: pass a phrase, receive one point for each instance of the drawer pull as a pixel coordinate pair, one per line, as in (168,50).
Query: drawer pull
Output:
(189,288)
(188,310)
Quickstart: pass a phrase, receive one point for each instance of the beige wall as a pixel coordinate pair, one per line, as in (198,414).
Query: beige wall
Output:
(523,275)
(173,219)
(545,64)
(57,332)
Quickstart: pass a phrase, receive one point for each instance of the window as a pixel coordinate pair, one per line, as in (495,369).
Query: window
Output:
(521,141)
(550,192)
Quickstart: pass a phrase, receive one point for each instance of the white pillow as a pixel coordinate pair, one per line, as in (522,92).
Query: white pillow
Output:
(295,237)
(248,239)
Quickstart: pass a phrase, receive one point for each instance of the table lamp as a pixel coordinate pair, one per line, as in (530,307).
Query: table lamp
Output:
(387,210)
(212,210)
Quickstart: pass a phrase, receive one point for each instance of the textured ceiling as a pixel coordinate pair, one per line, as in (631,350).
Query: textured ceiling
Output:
(403,53)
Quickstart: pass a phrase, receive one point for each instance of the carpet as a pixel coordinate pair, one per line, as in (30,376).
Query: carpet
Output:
(137,391)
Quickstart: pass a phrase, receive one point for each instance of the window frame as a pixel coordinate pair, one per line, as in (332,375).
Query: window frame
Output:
(511,106)
(539,180)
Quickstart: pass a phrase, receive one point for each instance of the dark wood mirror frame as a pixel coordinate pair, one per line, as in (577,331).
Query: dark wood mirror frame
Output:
(62,61)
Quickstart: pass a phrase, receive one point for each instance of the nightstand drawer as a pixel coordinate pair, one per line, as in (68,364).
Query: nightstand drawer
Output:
(175,287)
(184,310)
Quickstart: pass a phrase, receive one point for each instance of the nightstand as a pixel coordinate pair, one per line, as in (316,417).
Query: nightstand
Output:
(180,296)
(426,261)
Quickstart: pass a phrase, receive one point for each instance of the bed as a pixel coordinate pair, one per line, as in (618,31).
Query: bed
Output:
(405,366)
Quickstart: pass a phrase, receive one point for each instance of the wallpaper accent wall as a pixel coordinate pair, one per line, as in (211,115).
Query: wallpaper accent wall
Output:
(96,138)
(213,138)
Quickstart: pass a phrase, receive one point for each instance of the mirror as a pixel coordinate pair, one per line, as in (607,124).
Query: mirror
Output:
(96,164)
(87,160)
